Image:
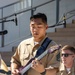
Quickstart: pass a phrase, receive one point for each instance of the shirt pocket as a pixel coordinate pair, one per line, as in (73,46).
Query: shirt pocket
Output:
(24,58)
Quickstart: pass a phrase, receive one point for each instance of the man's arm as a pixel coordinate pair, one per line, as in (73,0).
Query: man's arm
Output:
(14,69)
(36,65)
(51,72)
(39,67)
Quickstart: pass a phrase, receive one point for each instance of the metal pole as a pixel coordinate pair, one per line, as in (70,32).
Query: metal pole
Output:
(2,39)
(27,9)
(57,11)
(32,12)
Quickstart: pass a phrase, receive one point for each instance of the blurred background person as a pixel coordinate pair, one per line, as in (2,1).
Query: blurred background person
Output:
(67,64)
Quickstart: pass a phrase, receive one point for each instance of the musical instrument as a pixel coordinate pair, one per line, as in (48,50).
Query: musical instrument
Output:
(50,50)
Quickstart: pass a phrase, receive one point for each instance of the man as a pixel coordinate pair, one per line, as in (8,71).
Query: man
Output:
(67,66)
(27,49)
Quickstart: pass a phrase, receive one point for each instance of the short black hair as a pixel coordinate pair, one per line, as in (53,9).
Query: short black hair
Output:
(68,47)
(39,15)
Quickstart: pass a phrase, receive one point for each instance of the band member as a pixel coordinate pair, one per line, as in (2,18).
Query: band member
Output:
(28,48)
(67,65)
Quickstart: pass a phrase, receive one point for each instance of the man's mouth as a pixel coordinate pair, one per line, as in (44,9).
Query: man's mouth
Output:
(35,33)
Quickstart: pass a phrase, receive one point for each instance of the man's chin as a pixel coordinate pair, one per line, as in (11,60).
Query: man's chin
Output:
(35,36)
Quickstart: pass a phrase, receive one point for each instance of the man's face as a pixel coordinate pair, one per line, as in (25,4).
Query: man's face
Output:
(38,28)
(67,57)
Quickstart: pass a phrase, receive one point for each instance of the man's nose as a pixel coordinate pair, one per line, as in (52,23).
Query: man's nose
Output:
(35,28)
(63,57)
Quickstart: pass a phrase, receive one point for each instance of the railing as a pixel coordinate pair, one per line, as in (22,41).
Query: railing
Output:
(24,10)
(72,12)
(3,19)
(9,5)
(65,17)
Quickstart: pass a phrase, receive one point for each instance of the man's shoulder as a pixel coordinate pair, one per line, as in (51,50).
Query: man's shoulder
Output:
(26,41)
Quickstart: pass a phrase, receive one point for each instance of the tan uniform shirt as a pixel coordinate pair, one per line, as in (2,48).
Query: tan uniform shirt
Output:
(26,50)
(63,71)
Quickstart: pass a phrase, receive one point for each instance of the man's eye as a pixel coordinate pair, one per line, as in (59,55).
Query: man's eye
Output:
(39,27)
(33,27)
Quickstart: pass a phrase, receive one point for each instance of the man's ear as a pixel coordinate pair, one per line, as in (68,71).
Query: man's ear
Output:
(73,56)
(46,26)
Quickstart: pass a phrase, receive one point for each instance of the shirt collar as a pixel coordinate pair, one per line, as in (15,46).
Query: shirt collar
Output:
(32,42)
(62,67)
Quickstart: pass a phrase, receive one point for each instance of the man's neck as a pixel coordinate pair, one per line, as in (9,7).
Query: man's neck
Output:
(38,39)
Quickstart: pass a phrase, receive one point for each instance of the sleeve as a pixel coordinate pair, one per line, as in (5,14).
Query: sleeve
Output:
(15,58)
(52,61)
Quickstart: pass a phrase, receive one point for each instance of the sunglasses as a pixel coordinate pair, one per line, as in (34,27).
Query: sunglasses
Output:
(66,54)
